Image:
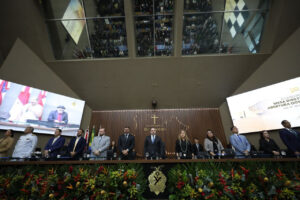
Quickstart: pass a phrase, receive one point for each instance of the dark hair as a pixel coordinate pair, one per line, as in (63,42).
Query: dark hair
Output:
(262,134)
(11,132)
(232,128)
(283,122)
(32,129)
(127,127)
(81,130)
(214,139)
(59,130)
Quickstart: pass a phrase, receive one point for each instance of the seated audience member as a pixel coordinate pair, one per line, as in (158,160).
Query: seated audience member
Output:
(113,147)
(100,145)
(26,144)
(152,145)
(291,138)
(239,143)
(6,143)
(54,145)
(59,115)
(126,143)
(183,147)
(76,146)
(213,145)
(196,148)
(268,145)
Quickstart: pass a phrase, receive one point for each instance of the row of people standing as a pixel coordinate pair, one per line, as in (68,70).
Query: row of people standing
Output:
(153,145)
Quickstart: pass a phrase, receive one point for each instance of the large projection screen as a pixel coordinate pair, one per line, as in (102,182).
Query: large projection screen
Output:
(22,106)
(265,108)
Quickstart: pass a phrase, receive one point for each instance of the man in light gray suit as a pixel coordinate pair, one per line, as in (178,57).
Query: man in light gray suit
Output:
(100,145)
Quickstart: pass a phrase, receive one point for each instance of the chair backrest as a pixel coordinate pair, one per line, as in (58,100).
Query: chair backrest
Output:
(229,153)
(110,154)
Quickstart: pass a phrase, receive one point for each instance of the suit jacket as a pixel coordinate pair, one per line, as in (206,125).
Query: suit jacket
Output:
(56,147)
(196,150)
(291,140)
(209,146)
(101,144)
(154,149)
(5,145)
(79,147)
(53,116)
(240,144)
(124,144)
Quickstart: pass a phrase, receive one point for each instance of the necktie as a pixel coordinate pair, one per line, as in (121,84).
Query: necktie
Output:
(152,139)
(54,140)
(59,116)
(77,139)
(240,138)
(126,137)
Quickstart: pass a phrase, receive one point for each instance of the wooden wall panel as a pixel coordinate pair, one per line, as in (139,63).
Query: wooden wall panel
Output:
(167,121)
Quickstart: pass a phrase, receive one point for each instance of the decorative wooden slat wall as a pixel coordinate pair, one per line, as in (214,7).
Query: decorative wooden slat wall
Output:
(167,121)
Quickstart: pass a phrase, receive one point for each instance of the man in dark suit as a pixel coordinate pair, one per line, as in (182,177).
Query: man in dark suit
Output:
(126,143)
(152,145)
(196,148)
(59,115)
(290,138)
(76,145)
(54,145)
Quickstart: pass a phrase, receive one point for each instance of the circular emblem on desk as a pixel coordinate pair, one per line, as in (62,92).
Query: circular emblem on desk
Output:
(157,181)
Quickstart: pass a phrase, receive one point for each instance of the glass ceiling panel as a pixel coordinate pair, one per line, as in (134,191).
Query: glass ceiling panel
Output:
(154,27)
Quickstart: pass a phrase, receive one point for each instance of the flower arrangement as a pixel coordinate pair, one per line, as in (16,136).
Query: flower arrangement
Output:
(73,182)
(225,181)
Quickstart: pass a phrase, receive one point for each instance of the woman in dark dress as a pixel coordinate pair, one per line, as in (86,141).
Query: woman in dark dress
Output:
(113,147)
(267,145)
(183,146)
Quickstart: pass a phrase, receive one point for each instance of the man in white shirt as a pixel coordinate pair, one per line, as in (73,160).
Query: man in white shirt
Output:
(26,144)
(100,145)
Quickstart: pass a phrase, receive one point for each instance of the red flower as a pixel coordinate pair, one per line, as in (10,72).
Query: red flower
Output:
(297,187)
(220,193)
(246,171)
(24,190)
(70,169)
(180,184)
(100,169)
(279,174)
(134,183)
(196,178)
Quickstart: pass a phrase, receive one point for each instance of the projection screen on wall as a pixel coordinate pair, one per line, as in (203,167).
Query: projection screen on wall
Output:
(265,108)
(22,106)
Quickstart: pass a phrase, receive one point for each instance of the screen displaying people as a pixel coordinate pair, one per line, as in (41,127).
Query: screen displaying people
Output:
(23,106)
(59,115)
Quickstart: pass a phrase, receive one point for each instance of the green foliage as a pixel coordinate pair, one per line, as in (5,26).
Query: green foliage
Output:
(247,180)
(73,182)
